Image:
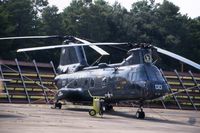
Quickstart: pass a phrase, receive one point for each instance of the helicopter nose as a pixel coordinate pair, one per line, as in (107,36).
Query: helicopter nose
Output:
(158,89)
(70,94)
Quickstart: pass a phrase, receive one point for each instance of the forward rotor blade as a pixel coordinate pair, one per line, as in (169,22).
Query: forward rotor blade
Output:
(178,57)
(41,48)
(96,48)
(64,45)
(30,37)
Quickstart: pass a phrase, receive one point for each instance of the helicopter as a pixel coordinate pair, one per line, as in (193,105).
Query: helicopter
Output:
(135,78)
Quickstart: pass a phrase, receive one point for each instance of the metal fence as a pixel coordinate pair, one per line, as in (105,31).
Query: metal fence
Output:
(33,82)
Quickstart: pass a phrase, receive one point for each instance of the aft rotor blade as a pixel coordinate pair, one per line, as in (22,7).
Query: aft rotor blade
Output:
(81,40)
(96,48)
(99,50)
(30,37)
(64,45)
(100,43)
(107,43)
(178,57)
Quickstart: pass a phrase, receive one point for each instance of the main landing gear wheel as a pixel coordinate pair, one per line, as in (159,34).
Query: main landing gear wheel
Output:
(58,105)
(108,107)
(92,112)
(140,114)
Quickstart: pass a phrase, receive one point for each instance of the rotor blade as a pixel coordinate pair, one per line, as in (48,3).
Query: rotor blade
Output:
(64,45)
(99,50)
(41,48)
(107,43)
(96,48)
(118,48)
(178,57)
(30,37)
(99,43)
(81,40)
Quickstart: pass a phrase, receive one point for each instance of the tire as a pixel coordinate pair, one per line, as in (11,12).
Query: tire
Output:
(137,114)
(101,112)
(140,115)
(108,107)
(58,105)
(92,112)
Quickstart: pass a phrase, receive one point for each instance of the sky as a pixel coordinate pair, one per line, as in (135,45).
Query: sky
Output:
(189,7)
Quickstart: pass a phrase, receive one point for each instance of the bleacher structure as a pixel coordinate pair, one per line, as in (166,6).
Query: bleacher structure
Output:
(33,83)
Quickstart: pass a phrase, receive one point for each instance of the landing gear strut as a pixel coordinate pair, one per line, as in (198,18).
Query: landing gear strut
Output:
(57,105)
(108,107)
(140,114)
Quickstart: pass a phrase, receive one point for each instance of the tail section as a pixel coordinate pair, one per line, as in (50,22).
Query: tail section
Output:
(72,59)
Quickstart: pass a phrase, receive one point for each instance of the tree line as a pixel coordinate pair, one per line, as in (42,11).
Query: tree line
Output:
(147,22)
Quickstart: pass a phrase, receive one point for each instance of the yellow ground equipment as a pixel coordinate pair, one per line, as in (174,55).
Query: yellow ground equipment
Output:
(97,106)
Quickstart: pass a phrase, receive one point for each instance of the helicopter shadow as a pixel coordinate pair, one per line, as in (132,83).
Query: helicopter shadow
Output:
(77,109)
(4,116)
(149,119)
(191,121)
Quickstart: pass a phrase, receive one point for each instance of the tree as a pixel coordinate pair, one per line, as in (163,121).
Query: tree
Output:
(118,24)
(158,24)
(52,21)
(89,20)
(19,19)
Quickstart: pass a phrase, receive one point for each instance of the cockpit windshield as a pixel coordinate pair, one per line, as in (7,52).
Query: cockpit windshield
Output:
(146,72)
(153,73)
(139,74)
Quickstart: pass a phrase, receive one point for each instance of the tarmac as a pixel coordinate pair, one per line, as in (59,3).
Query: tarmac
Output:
(22,118)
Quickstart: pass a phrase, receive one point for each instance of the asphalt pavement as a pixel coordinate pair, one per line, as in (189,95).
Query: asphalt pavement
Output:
(22,118)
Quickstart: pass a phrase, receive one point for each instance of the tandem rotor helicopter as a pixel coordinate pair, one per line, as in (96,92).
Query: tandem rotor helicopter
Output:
(135,78)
